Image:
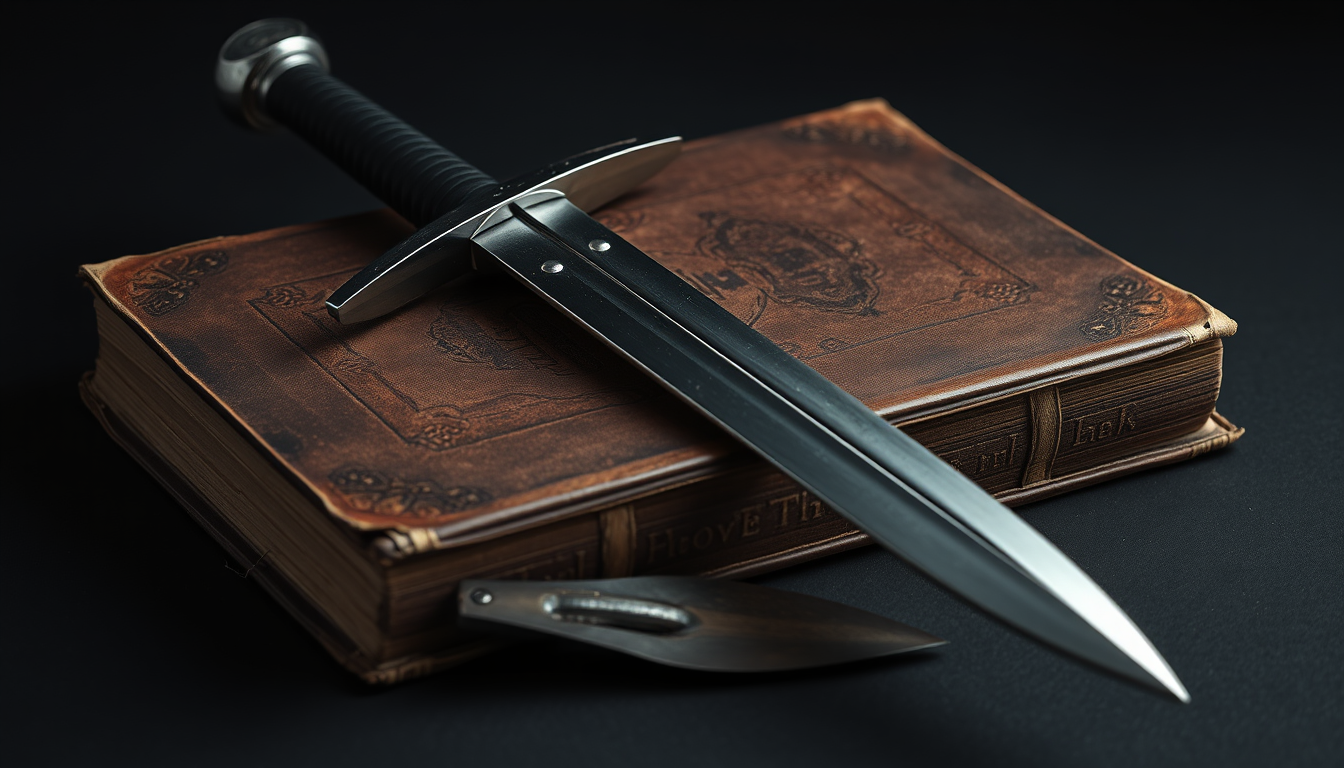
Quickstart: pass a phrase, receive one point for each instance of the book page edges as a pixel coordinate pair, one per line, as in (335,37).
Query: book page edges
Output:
(617,531)
(93,276)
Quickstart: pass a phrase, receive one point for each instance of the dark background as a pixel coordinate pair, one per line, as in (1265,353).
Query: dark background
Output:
(1201,145)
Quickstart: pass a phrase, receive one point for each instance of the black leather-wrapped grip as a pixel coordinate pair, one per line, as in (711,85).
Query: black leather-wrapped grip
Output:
(406,169)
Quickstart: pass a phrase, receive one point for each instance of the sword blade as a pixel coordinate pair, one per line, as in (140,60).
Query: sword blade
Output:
(891,487)
(695,623)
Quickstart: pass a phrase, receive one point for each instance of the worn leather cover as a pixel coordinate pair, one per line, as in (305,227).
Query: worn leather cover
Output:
(849,237)
(824,537)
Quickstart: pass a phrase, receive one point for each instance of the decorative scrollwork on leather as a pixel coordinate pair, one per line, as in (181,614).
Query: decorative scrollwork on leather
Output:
(286,296)
(369,490)
(440,435)
(519,338)
(166,284)
(1128,303)
(914,229)
(875,137)
(353,362)
(801,265)
(1000,292)
(620,221)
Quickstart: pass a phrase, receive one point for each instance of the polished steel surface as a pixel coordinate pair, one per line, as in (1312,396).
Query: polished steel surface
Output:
(890,486)
(254,56)
(695,623)
(441,251)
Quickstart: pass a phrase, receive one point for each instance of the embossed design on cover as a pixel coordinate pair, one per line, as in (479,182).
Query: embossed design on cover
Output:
(527,337)
(874,135)
(1128,303)
(285,296)
(528,366)
(369,490)
(619,222)
(812,266)
(812,283)
(327,398)
(1003,293)
(167,284)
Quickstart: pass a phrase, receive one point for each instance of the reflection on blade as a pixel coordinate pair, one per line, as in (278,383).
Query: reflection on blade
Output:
(890,486)
(695,623)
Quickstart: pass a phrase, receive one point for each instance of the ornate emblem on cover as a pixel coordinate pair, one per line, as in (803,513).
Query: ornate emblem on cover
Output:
(878,136)
(999,292)
(850,265)
(808,265)
(407,370)
(1128,303)
(368,490)
(167,284)
(526,337)
(285,296)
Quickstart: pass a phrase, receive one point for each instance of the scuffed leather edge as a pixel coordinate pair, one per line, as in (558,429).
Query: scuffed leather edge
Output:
(256,567)
(254,563)
(94,277)
(1216,326)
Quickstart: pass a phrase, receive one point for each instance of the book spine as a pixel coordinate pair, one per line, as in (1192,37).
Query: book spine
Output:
(754,519)
(418,615)
(749,518)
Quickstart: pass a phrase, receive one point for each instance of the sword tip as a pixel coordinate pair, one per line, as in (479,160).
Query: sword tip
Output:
(1166,679)
(1132,655)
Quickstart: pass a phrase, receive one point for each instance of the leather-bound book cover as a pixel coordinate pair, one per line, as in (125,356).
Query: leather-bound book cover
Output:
(1020,351)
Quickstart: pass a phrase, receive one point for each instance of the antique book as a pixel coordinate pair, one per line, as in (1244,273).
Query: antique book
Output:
(359,472)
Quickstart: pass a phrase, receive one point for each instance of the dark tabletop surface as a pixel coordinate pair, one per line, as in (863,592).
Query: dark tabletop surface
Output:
(1202,146)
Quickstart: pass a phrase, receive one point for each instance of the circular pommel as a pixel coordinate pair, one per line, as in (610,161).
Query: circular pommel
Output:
(254,56)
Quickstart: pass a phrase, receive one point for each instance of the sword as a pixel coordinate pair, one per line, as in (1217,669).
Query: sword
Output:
(535,229)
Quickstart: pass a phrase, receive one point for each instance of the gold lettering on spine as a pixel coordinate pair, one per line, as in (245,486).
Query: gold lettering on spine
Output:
(811,509)
(1045,427)
(785,505)
(807,507)
(660,541)
(726,529)
(703,538)
(751,521)
(1096,427)
(666,542)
